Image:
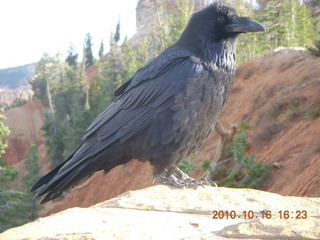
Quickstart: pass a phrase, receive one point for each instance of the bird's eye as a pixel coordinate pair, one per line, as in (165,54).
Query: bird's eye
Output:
(221,19)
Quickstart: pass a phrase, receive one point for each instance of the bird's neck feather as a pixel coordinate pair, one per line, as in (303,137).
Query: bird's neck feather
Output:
(220,54)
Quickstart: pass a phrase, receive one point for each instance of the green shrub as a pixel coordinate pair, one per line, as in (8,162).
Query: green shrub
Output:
(246,173)
(314,112)
(186,166)
(316,50)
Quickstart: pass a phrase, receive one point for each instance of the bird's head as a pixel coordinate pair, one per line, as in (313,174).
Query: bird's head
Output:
(216,23)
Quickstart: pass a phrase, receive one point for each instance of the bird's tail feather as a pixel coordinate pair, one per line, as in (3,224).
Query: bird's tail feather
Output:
(72,172)
(69,179)
(47,178)
(67,174)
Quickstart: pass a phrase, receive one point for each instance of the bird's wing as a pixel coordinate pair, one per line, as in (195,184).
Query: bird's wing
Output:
(141,98)
(154,68)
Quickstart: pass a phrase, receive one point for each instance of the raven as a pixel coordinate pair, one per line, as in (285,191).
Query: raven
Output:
(166,110)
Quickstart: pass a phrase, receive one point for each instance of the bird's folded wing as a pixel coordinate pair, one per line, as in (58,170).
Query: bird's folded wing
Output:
(141,101)
(167,60)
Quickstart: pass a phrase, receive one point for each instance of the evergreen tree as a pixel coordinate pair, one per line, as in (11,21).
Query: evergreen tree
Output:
(101,50)
(65,93)
(45,72)
(111,71)
(168,25)
(288,23)
(4,131)
(314,7)
(305,26)
(7,173)
(117,34)
(50,73)
(72,57)
(133,58)
(18,207)
(88,56)
(11,202)
(269,13)
(32,168)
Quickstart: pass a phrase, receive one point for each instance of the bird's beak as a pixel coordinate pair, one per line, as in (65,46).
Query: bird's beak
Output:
(243,25)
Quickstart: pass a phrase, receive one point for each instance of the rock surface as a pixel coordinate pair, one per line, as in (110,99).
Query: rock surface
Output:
(161,212)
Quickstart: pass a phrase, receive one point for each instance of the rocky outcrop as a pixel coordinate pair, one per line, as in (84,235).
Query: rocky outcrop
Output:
(147,15)
(9,96)
(14,84)
(162,212)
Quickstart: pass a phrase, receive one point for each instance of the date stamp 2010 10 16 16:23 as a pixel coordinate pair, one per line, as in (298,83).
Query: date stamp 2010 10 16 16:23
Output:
(264,214)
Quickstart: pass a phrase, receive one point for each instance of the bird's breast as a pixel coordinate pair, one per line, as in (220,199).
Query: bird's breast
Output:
(198,106)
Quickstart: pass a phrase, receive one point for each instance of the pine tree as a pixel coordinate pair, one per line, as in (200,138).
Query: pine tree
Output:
(269,13)
(65,92)
(32,168)
(101,50)
(45,72)
(72,57)
(7,173)
(4,131)
(18,207)
(169,24)
(305,26)
(117,34)
(133,58)
(87,50)
(11,202)
(314,7)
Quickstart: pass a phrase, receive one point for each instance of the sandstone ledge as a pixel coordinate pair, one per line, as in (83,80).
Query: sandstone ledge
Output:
(162,212)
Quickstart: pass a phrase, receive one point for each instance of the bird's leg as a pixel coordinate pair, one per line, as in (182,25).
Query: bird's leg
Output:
(169,179)
(184,177)
(182,180)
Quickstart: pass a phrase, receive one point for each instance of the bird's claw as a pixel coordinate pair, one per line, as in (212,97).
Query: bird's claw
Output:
(174,181)
(185,183)
(182,180)
(201,182)
(208,182)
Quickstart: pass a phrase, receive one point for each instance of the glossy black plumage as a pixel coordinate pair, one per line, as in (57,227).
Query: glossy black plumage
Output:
(166,109)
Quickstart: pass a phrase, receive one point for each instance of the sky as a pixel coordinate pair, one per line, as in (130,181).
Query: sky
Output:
(29,28)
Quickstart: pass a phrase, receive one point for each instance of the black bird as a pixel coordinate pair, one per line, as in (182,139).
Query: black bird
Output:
(166,109)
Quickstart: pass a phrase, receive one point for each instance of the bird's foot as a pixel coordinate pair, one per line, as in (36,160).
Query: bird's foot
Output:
(174,181)
(184,177)
(183,180)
